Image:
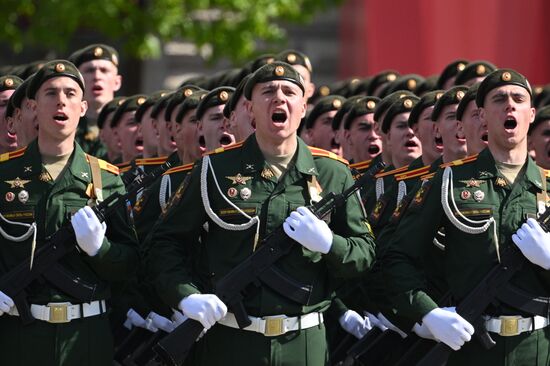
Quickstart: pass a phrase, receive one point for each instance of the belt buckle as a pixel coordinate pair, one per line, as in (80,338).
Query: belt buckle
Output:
(274,326)
(59,312)
(509,325)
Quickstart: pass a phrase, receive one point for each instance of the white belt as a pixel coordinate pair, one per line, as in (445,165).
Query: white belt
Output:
(64,312)
(272,326)
(513,325)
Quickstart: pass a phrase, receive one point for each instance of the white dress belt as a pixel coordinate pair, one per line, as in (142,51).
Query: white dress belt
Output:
(275,325)
(64,312)
(511,325)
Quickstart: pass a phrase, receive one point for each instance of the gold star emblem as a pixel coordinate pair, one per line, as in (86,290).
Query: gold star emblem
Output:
(239,179)
(17,183)
(472,182)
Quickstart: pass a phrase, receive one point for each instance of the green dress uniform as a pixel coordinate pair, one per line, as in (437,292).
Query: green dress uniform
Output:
(246,181)
(89,140)
(29,195)
(478,192)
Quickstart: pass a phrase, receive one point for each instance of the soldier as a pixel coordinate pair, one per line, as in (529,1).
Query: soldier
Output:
(448,75)
(212,125)
(539,137)
(20,116)
(270,172)
(8,140)
(166,144)
(475,130)
(497,189)
(302,64)
(98,64)
(45,184)
(365,144)
(239,122)
(148,128)
(104,119)
(380,80)
(474,72)
(319,123)
(126,130)
(338,126)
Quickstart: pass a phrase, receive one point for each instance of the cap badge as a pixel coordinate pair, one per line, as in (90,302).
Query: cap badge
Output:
(269,60)
(506,76)
(187,92)
(460,66)
(60,67)
(98,52)
(438,95)
(407,103)
(391,77)
(279,71)
(8,82)
(223,96)
(324,90)
(480,69)
(337,103)
(291,57)
(411,84)
(371,104)
(140,100)
(459,95)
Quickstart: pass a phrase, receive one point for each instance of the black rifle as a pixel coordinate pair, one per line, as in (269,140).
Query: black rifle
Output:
(173,348)
(56,246)
(474,304)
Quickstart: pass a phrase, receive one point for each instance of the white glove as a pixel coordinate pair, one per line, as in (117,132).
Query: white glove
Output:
(88,230)
(448,327)
(422,331)
(375,322)
(161,322)
(304,227)
(534,243)
(133,319)
(6,303)
(355,324)
(390,325)
(206,308)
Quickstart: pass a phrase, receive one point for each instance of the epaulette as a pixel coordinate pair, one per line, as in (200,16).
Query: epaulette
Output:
(412,173)
(123,165)
(180,168)
(152,161)
(427,176)
(361,165)
(315,151)
(106,166)
(222,149)
(125,169)
(467,159)
(392,172)
(12,154)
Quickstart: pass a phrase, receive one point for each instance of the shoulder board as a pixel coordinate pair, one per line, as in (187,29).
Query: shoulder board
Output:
(124,164)
(361,165)
(427,176)
(181,168)
(546,173)
(152,161)
(125,169)
(12,154)
(315,151)
(106,166)
(467,159)
(392,172)
(412,173)
(227,148)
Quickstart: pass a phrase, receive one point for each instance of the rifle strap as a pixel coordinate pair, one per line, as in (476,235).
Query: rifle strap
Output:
(96,178)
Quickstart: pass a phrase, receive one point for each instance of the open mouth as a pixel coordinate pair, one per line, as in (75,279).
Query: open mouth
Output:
(202,142)
(253,123)
(97,88)
(460,138)
(61,117)
(226,140)
(139,142)
(439,142)
(485,137)
(411,143)
(510,123)
(373,149)
(278,116)
(334,144)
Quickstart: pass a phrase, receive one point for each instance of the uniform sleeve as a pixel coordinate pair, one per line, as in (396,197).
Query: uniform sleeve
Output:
(352,251)
(172,240)
(118,256)
(403,260)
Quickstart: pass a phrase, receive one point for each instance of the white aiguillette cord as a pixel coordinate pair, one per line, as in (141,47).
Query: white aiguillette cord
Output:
(31,230)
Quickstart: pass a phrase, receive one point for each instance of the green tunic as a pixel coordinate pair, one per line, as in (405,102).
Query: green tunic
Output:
(84,341)
(89,141)
(351,253)
(469,257)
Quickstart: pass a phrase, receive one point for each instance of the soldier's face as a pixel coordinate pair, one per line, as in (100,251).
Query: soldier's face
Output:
(149,131)
(8,140)
(432,144)
(102,81)
(129,134)
(58,106)
(25,123)
(322,135)
(507,111)
(108,137)
(306,75)
(363,140)
(402,141)
(213,128)
(240,124)
(189,135)
(475,129)
(450,129)
(277,107)
(166,143)
(539,142)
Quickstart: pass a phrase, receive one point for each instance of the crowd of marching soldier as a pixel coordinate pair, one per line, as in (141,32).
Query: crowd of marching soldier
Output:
(173,211)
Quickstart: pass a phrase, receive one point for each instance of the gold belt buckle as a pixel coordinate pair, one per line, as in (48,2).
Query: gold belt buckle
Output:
(59,313)
(274,326)
(509,325)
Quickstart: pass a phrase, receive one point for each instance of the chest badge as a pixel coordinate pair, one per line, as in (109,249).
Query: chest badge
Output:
(44,177)
(472,183)
(465,195)
(500,182)
(17,183)
(245,193)
(479,196)
(239,179)
(27,169)
(23,196)
(10,196)
(232,192)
